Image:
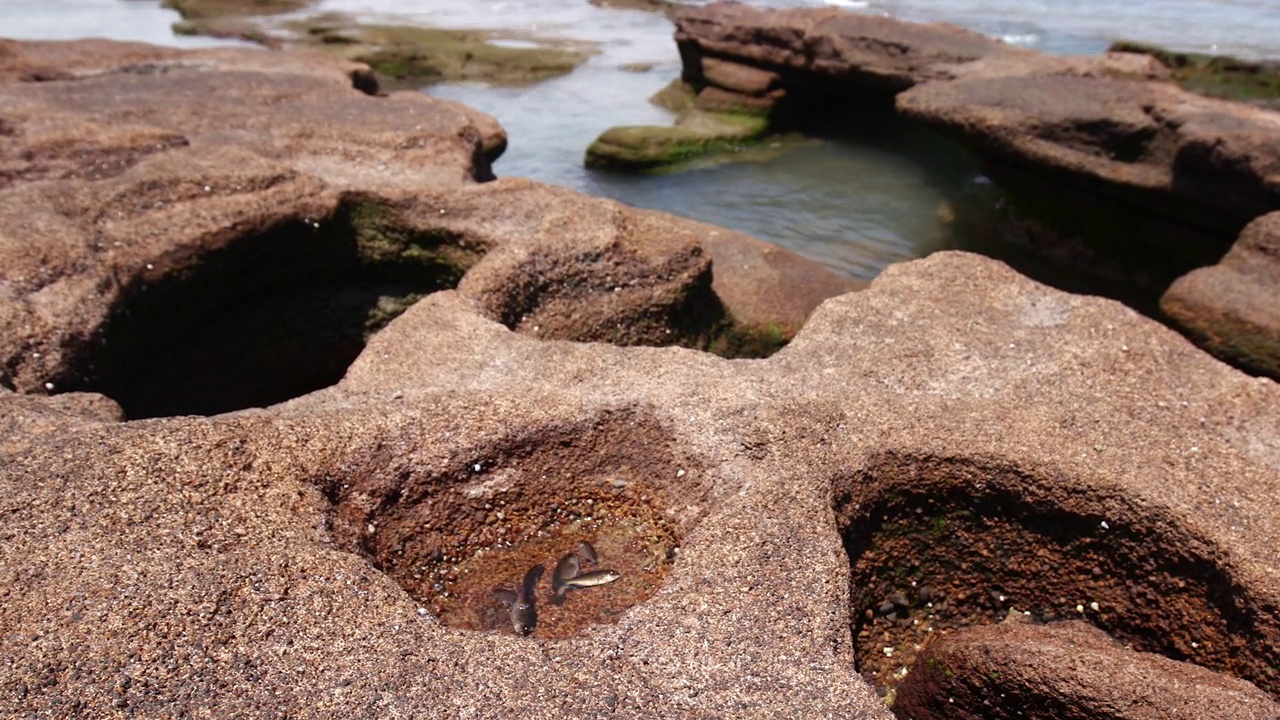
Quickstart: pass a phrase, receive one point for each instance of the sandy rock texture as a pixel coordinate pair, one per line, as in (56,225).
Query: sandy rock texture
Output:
(307,559)
(261,562)
(1066,670)
(1230,307)
(255,215)
(1207,163)
(1110,167)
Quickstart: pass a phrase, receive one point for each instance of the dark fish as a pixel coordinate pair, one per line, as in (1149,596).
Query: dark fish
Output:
(566,570)
(587,552)
(524,611)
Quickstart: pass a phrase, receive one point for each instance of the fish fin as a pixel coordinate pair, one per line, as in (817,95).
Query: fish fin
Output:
(506,597)
(587,552)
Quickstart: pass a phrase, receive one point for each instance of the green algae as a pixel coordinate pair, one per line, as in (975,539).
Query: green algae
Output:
(648,147)
(389,249)
(206,9)
(1219,76)
(439,55)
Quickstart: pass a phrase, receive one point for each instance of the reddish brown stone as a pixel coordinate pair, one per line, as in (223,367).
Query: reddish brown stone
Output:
(1231,308)
(1068,671)
(876,52)
(737,77)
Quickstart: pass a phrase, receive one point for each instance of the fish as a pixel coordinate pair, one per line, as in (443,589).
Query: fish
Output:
(569,568)
(587,552)
(592,579)
(566,570)
(524,610)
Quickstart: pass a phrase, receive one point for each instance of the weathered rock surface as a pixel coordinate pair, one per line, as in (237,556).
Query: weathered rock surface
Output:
(279,562)
(231,564)
(1066,671)
(1232,309)
(1211,164)
(135,180)
(847,50)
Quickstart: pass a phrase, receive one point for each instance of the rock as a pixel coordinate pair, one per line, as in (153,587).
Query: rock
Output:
(738,78)
(307,229)
(666,7)
(1230,308)
(282,561)
(1219,76)
(1209,164)
(302,559)
(697,133)
(405,55)
(1066,670)
(744,61)
(848,49)
(197,9)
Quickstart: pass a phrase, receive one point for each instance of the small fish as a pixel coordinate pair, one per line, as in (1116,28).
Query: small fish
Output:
(592,579)
(524,611)
(569,567)
(587,552)
(566,570)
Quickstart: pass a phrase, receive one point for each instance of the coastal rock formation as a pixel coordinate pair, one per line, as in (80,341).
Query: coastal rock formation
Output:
(277,551)
(1230,308)
(336,554)
(295,213)
(844,50)
(1209,164)
(1066,670)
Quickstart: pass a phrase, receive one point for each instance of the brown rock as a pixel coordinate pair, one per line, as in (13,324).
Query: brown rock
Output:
(874,52)
(739,78)
(714,99)
(1231,308)
(326,210)
(1208,163)
(1067,670)
(264,562)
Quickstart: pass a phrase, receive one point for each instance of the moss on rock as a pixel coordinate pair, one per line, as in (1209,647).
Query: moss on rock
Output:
(436,55)
(1219,76)
(645,147)
(207,9)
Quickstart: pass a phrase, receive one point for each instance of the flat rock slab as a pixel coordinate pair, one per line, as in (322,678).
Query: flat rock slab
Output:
(1209,163)
(1230,308)
(873,51)
(1066,670)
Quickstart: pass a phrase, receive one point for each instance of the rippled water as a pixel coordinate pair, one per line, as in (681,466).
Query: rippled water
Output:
(880,194)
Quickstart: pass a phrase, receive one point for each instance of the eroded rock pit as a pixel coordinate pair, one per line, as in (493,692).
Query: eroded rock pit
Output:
(452,540)
(269,315)
(937,544)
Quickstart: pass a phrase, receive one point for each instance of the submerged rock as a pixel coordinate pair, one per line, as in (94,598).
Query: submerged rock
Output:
(695,134)
(407,55)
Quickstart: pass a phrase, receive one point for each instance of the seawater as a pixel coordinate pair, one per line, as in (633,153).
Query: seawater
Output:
(873,194)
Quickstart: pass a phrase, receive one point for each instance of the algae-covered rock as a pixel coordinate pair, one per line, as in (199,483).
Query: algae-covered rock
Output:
(403,54)
(647,147)
(1220,76)
(441,55)
(198,9)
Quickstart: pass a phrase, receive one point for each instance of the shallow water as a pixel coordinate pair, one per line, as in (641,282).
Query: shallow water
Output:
(879,195)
